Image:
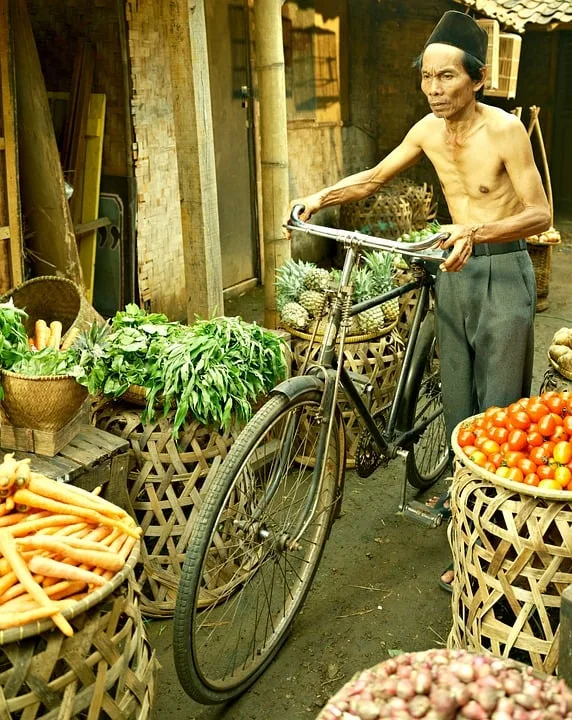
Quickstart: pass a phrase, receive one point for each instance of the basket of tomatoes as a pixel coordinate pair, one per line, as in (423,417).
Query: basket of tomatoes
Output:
(511,528)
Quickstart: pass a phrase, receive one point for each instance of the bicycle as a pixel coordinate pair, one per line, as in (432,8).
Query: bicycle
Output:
(260,531)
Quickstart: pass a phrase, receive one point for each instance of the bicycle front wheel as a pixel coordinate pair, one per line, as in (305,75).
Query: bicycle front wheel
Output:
(254,549)
(427,458)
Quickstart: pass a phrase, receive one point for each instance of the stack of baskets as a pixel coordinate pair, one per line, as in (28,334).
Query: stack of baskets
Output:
(513,560)
(105,669)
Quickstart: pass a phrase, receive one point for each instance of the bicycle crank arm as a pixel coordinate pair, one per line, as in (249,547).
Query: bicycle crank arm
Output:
(420,513)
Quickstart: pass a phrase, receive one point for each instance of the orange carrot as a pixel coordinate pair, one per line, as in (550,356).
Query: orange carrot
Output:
(6,582)
(71,336)
(41,521)
(61,542)
(15,619)
(31,499)
(98,558)
(41,334)
(54,568)
(9,551)
(55,334)
(62,492)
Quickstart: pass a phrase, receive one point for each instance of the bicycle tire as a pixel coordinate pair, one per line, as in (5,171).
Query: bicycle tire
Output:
(428,457)
(261,577)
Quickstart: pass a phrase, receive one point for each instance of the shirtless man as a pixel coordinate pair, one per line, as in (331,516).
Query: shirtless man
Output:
(485,289)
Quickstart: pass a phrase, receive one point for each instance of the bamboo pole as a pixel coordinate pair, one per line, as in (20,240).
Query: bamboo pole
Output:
(273,145)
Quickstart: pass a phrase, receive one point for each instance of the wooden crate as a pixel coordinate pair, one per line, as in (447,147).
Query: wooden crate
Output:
(91,459)
(40,442)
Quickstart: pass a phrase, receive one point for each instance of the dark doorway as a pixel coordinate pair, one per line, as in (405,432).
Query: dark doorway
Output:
(561,156)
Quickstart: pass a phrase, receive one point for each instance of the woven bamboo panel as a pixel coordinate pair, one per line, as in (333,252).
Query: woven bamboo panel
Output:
(164,485)
(512,556)
(407,301)
(106,669)
(384,215)
(379,359)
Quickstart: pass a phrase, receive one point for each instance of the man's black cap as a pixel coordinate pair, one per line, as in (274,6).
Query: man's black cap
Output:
(460,30)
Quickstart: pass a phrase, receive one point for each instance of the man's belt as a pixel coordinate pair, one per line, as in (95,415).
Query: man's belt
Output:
(498,248)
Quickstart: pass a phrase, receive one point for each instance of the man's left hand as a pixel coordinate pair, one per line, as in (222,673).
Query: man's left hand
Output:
(461,241)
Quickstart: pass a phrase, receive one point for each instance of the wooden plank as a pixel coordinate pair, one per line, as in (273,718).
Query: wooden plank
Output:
(87,242)
(4,232)
(42,189)
(92,225)
(7,81)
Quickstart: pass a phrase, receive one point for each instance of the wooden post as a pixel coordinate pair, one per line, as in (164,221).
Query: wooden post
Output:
(273,145)
(196,158)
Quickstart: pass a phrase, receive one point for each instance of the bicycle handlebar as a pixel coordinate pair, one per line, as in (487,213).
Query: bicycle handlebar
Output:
(414,249)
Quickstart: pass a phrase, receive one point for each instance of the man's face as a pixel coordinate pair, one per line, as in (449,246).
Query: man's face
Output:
(445,82)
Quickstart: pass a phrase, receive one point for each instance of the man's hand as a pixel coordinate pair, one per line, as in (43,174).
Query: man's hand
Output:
(461,240)
(311,204)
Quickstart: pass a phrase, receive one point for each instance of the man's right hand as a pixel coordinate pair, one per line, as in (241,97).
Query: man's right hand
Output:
(311,205)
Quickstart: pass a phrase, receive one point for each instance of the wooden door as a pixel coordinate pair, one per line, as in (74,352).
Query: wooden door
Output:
(228,48)
(561,155)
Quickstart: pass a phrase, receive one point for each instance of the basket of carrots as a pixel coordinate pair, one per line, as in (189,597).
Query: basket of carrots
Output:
(70,626)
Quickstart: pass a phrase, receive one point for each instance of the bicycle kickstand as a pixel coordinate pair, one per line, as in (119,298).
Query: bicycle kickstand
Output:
(417,511)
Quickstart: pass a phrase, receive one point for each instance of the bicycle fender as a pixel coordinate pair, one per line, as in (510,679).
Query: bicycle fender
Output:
(298,385)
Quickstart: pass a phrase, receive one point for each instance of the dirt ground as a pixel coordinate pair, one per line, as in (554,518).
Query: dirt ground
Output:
(376,589)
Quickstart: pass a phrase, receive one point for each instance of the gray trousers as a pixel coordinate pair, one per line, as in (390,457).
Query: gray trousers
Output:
(485,332)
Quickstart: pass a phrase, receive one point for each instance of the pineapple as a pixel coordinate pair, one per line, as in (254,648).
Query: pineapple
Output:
(295,315)
(373,319)
(381,266)
(290,281)
(313,301)
(317,279)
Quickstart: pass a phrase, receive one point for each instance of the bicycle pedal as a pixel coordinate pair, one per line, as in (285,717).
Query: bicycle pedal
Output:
(420,513)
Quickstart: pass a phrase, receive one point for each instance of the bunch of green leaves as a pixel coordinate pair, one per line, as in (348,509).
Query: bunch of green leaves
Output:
(49,361)
(13,337)
(214,370)
(111,358)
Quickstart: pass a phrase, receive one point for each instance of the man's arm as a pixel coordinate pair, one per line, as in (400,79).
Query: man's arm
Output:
(363,184)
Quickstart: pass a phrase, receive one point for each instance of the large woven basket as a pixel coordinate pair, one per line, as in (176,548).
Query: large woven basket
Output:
(166,484)
(512,553)
(106,669)
(541,256)
(53,298)
(46,402)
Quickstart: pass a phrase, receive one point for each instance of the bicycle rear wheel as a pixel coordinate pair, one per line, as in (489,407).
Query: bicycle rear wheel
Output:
(427,458)
(245,576)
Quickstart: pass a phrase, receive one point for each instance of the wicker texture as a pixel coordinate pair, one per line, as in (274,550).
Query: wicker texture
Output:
(41,402)
(379,359)
(106,669)
(53,298)
(553,379)
(512,556)
(165,485)
(541,256)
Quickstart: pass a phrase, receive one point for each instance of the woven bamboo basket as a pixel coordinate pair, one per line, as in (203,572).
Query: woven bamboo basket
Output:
(512,554)
(165,485)
(53,298)
(43,402)
(540,251)
(106,669)
(377,356)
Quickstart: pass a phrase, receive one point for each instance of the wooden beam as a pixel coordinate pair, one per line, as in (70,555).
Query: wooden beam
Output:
(91,226)
(195,157)
(10,146)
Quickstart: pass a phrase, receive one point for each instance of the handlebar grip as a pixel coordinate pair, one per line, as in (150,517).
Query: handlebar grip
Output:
(295,215)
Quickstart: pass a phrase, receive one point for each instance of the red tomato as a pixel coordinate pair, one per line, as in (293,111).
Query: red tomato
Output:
(538,455)
(479,458)
(548,446)
(567,423)
(517,440)
(516,406)
(465,437)
(515,474)
(490,466)
(537,410)
(531,479)
(502,471)
(481,439)
(526,465)
(562,452)
(499,434)
(557,419)
(545,472)
(559,434)
(489,447)
(491,411)
(497,459)
(547,425)
(512,458)
(519,420)
(500,418)
(548,395)
(556,404)
(534,439)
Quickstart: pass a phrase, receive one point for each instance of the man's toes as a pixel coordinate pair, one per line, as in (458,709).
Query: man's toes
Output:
(447,577)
